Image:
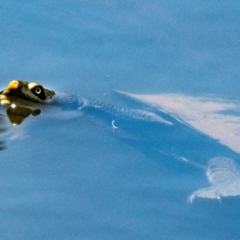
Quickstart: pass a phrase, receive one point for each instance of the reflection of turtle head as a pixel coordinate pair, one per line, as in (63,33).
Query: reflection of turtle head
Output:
(23,93)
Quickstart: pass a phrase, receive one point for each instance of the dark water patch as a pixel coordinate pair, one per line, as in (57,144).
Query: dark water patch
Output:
(3,128)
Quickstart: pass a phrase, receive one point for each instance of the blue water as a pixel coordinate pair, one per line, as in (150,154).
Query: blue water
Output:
(67,174)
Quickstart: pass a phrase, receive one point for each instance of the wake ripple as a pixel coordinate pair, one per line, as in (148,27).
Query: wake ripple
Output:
(76,102)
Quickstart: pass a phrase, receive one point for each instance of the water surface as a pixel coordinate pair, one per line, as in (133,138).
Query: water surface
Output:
(69,175)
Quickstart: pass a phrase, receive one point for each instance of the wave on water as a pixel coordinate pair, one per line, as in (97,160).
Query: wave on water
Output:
(224,176)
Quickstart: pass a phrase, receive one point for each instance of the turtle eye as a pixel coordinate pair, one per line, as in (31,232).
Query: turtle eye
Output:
(38,90)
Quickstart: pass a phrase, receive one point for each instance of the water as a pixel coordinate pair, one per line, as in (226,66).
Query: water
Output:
(67,174)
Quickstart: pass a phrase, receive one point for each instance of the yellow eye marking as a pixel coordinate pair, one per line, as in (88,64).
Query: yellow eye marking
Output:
(13,85)
(31,85)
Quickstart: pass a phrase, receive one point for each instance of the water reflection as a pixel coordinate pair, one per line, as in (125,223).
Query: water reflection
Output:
(17,114)
(2,129)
